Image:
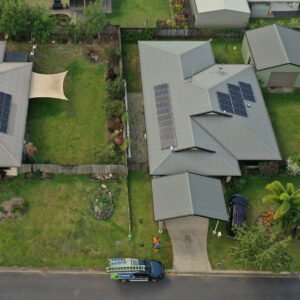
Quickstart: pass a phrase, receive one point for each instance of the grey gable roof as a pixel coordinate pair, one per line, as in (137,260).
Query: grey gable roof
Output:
(188,194)
(208,142)
(14,80)
(273,46)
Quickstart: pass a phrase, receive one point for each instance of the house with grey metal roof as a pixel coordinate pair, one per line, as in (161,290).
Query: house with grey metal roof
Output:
(274,52)
(15,81)
(201,117)
(188,194)
(17,84)
(220,13)
(274,8)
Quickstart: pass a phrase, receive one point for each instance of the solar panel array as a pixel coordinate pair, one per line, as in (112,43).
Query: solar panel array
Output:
(234,101)
(165,116)
(5,100)
(247,91)
(237,100)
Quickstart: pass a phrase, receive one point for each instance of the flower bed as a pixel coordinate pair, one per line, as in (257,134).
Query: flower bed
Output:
(102,203)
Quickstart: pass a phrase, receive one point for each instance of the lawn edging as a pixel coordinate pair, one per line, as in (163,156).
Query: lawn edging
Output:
(170,272)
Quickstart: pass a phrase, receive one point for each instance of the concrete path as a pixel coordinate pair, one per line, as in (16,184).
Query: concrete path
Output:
(137,126)
(189,241)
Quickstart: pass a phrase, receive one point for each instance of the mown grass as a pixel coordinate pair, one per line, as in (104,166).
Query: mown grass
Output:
(138,13)
(58,230)
(74,131)
(131,64)
(284,111)
(254,190)
(143,226)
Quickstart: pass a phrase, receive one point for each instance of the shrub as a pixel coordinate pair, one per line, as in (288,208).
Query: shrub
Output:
(115,89)
(114,108)
(112,55)
(269,168)
(111,74)
(293,165)
(133,36)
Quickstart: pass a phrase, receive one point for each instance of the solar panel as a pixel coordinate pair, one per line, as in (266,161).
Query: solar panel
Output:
(237,100)
(225,102)
(165,116)
(247,91)
(5,100)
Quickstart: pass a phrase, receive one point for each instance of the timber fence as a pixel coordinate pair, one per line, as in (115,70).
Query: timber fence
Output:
(74,169)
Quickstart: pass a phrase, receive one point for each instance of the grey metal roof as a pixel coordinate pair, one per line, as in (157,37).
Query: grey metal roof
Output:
(208,142)
(106,6)
(14,80)
(207,6)
(273,46)
(2,50)
(188,194)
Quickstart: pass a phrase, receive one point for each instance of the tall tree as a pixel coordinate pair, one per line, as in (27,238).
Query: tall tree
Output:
(261,248)
(287,203)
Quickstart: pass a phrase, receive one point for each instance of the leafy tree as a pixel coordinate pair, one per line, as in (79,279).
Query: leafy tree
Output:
(287,202)
(94,18)
(261,248)
(21,21)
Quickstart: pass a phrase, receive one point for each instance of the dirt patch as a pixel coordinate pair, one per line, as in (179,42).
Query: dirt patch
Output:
(12,208)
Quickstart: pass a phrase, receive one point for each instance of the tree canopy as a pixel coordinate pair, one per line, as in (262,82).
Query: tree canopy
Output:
(23,22)
(261,248)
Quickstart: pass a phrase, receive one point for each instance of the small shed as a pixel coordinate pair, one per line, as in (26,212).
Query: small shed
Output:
(220,13)
(188,194)
(274,51)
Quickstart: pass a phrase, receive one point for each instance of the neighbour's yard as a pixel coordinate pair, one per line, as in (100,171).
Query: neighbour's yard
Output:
(254,190)
(58,229)
(284,111)
(74,131)
(138,13)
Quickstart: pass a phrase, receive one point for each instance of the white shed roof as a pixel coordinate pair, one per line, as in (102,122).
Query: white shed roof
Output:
(214,5)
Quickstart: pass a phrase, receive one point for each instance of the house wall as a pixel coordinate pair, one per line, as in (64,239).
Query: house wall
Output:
(264,75)
(265,9)
(260,9)
(220,18)
(246,53)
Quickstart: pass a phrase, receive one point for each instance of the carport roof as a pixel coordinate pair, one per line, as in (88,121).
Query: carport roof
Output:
(188,194)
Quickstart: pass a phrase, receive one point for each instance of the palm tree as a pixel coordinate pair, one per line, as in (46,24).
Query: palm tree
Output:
(287,202)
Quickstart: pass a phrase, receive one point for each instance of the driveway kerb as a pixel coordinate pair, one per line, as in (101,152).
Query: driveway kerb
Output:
(221,273)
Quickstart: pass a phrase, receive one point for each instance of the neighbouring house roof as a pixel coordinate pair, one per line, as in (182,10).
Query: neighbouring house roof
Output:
(215,5)
(199,136)
(273,46)
(188,194)
(107,7)
(14,81)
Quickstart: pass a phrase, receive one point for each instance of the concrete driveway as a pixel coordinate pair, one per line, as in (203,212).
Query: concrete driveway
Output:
(189,241)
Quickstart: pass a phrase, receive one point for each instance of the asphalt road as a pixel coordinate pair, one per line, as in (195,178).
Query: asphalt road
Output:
(33,286)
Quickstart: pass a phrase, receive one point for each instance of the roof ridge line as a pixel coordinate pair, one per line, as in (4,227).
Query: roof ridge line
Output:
(281,43)
(189,191)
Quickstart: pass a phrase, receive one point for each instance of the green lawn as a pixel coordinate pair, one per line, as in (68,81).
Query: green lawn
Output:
(227,51)
(284,111)
(254,189)
(59,231)
(69,132)
(131,63)
(138,13)
(144,228)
